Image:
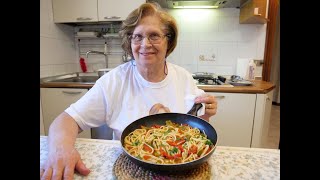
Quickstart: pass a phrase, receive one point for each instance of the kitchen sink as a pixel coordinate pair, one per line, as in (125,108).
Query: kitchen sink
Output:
(84,78)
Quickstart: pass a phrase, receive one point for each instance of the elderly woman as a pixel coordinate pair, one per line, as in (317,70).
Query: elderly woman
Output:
(147,85)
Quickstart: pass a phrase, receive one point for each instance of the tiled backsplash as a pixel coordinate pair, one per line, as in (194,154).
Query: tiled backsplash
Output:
(97,61)
(210,41)
(57,48)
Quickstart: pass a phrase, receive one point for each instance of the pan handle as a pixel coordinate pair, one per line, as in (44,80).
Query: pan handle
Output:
(194,109)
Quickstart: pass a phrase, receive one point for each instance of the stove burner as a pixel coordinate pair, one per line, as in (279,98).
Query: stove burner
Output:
(205,78)
(208,81)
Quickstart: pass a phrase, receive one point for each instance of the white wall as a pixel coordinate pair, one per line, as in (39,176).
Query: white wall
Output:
(57,48)
(205,33)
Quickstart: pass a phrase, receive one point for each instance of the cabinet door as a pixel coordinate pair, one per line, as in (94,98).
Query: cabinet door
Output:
(111,10)
(262,120)
(55,100)
(234,118)
(66,11)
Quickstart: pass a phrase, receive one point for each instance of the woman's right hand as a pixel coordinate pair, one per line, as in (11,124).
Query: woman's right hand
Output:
(158,108)
(61,163)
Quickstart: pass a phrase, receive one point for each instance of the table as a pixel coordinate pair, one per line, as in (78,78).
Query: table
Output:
(226,162)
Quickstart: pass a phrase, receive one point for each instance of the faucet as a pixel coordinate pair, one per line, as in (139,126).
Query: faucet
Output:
(99,52)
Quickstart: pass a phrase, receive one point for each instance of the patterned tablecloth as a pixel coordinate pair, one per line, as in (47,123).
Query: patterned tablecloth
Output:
(226,162)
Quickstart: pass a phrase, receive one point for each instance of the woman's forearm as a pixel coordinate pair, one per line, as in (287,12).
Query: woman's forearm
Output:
(63,131)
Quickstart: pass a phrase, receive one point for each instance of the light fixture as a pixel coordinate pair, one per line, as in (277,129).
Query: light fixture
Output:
(187,4)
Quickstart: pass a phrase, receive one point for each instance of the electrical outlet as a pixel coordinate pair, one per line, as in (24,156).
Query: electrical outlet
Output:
(203,58)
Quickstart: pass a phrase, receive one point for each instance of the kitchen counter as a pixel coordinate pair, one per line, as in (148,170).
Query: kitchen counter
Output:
(225,163)
(258,86)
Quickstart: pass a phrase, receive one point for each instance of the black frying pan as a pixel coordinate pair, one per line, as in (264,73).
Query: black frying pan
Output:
(179,118)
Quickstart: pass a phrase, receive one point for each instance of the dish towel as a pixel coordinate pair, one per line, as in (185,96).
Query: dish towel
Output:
(189,99)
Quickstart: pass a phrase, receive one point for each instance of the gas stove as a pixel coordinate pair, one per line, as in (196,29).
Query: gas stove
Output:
(205,78)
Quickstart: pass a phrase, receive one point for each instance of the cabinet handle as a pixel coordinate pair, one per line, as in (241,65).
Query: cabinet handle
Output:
(112,17)
(219,97)
(71,92)
(82,18)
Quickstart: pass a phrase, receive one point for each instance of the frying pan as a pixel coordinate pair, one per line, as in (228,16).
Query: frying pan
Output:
(179,118)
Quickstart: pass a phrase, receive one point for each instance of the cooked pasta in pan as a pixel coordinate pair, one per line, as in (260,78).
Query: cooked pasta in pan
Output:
(171,143)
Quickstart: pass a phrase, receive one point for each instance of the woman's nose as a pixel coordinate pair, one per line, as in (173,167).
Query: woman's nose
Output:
(145,42)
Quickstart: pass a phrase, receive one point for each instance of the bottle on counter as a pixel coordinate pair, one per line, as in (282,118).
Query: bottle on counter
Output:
(250,75)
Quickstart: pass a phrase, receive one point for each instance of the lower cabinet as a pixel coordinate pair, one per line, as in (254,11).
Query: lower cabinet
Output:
(234,118)
(262,120)
(242,119)
(55,100)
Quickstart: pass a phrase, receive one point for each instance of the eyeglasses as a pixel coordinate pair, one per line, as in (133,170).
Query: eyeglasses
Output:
(153,38)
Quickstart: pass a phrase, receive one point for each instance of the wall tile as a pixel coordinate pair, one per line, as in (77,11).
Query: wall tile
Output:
(219,70)
(189,52)
(46,71)
(247,49)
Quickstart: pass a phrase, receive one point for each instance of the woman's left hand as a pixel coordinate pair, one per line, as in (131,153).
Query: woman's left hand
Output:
(210,105)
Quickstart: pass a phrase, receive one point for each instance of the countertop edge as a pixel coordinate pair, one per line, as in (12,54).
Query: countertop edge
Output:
(258,87)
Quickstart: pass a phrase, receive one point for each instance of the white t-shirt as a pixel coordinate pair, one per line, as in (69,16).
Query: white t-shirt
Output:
(122,96)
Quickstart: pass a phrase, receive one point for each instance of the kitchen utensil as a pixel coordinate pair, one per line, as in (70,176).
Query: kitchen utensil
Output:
(194,109)
(241,83)
(101,72)
(83,65)
(179,118)
(126,57)
(222,79)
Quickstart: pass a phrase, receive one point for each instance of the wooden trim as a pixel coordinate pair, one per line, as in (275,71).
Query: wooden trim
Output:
(270,35)
(275,103)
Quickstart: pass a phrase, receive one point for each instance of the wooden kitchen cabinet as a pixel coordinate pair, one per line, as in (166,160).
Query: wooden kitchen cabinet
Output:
(71,11)
(111,10)
(55,100)
(234,118)
(253,12)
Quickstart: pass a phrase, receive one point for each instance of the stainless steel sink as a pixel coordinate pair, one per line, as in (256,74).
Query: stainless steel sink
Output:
(77,77)
(82,79)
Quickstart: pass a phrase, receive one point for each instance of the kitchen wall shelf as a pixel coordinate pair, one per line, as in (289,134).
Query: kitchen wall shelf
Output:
(254,12)
(106,36)
(109,53)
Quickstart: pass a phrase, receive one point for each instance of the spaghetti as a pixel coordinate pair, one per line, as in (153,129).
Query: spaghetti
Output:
(171,143)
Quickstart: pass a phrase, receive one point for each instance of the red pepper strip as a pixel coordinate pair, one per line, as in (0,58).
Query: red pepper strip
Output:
(176,143)
(171,143)
(193,149)
(208,150)
(156,126)
(181,148)
(181,141)
(147,148)
(166,155)
(146,157)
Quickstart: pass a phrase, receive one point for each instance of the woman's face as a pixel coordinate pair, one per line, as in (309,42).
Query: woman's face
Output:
(147,53)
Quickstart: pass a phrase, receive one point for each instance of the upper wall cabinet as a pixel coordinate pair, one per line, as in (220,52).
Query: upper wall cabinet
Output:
(253,11)
(81,11)
(116,10)
(71,11)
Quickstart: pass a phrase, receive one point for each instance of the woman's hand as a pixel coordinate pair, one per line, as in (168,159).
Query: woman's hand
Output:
(158,108)
(210,105)
(61,164)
